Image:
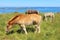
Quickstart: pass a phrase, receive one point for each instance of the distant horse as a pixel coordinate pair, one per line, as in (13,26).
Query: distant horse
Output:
(25,19)
(49,15)
(31,12)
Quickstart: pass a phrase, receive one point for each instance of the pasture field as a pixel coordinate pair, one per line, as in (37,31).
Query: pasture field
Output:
(49,31)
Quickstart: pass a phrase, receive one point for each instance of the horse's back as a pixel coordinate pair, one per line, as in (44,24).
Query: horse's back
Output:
(25,19)
(49,14)
(29,18)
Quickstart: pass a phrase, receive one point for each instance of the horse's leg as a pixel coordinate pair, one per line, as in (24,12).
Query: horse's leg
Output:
(8,28)
(20,26)
(37,28)
(51,19)
(45,18)
(24,28)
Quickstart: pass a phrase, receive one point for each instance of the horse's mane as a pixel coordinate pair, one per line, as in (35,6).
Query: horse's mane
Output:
(12,19)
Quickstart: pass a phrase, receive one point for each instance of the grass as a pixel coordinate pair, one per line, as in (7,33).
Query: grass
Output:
(49,31)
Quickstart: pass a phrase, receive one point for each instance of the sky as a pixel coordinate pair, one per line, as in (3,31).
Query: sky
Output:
(29,3)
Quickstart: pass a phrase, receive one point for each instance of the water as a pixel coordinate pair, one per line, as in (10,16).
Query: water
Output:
(23,9)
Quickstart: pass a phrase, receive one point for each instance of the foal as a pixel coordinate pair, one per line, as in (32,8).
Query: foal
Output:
(25,19)
(50,15)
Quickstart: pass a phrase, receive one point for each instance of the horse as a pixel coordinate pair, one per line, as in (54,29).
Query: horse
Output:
(49,15)
(31,12)
(23,20)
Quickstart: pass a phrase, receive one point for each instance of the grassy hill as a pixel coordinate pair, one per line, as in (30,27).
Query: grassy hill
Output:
(49,31)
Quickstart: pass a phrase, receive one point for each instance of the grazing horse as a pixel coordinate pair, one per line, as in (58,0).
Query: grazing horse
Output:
(25,19)
(31,12)
(50,15)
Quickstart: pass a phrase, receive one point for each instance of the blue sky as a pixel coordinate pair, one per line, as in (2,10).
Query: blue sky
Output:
(29,3)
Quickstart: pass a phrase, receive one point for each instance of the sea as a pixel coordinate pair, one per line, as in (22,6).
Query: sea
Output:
(24,9)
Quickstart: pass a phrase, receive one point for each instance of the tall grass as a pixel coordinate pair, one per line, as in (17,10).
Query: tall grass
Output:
(49,31)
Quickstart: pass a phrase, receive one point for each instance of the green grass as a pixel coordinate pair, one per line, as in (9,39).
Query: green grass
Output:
(49,31)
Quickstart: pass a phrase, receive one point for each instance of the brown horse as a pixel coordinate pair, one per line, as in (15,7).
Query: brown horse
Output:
(25,19)
(31,12)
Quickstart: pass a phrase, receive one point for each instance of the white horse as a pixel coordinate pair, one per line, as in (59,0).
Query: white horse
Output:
(49,15)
